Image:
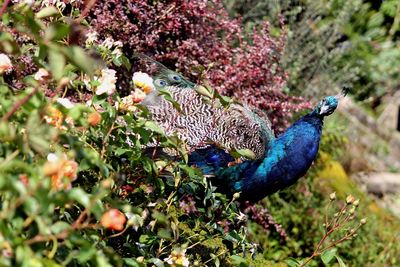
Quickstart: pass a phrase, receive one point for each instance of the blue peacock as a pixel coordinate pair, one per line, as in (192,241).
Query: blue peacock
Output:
(212,131)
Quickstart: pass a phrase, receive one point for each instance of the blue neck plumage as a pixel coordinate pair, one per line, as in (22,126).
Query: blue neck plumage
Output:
(290,155)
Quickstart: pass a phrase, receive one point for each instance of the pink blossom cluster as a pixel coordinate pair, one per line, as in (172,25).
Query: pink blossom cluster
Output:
(186,34)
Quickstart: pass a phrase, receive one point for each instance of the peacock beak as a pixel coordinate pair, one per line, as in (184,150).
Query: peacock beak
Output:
(323,110)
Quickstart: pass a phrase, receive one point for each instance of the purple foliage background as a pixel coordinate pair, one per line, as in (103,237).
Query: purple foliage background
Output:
(186,34)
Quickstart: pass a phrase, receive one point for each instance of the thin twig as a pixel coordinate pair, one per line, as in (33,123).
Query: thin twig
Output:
(3,8)
(85,12)
(17,105)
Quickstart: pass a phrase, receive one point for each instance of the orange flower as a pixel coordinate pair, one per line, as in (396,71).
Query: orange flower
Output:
(56,118)
(61,170)
(143,81)
(127,103)
(24,179)
(113,219)
(94,118)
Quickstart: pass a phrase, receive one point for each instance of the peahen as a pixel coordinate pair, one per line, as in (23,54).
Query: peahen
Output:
(212,130)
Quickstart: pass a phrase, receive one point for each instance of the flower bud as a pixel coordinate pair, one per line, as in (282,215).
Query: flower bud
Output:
(113,219)
(332,196)
(356,203)
(352,210)
(363,221)
(350,199)
(236,195)
(94,118)
(106,184)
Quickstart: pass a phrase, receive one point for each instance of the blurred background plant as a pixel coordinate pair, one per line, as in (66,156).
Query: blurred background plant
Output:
(334,43)
(76,186)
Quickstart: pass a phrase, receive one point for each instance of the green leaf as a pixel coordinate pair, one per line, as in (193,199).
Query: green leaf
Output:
(59,226)
(164,233)
(153,126)
(247,153)
(80,196)
(131,262)
(57,31)
(157,262)
(85,254)
(328,255)
(205,91)
(340,261)
(57,63)
(49,11)
(239,261)
(102,260)
(291,262)
(78,57)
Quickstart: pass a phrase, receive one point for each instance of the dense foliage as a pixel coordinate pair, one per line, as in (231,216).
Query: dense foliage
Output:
(77,187)
(335,43)
(200,39)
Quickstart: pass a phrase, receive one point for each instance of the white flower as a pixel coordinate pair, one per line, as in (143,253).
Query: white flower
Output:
(58,3)
(52,157)
(28,2)
(5,64)
(117,52)
(118,44)
(143,81)
(107,82)
(108,43)
(241,217)
(91,37)
(41,74)
(65,102)
(177,257)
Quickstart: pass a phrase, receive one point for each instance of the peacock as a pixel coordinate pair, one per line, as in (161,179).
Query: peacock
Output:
(201,120)
(287,158)
(212,130)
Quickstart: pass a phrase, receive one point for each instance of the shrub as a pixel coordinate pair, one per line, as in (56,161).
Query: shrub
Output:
(199,39)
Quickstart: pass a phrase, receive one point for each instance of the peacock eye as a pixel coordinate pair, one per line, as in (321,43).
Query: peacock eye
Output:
(175,77)
(160,82)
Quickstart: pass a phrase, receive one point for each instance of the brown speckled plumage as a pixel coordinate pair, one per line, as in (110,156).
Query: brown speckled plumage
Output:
(201,121)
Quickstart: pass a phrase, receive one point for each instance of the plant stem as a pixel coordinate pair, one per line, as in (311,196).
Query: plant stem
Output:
(17,105)
(3,8)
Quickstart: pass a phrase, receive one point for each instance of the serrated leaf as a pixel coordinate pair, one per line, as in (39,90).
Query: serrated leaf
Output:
(328,255)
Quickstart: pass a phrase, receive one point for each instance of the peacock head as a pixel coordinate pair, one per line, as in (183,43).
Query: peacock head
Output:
(328,105)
